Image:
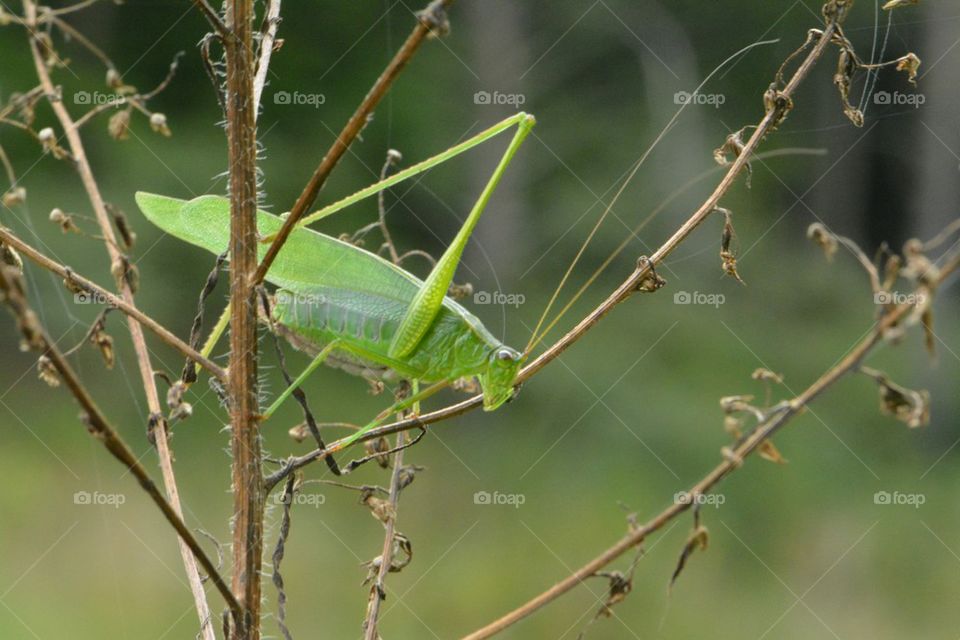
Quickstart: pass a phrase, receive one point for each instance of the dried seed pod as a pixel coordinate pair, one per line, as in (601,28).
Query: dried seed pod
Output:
(47,372)
(300,432)
(125,272)
(158,122)
(823,238)
(65,220)
(911,64)
(733,404)
(104,343)
(10,257)
(769,452)
(699,539)
(728,256)
(767,376)
(909,406)
(376,448)
(380,509)
(127,235)
(15,196)
(119,125)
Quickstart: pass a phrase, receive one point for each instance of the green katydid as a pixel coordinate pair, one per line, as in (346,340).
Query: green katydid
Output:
(349,307)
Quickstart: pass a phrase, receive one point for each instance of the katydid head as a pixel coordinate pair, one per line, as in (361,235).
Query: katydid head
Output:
(500,375)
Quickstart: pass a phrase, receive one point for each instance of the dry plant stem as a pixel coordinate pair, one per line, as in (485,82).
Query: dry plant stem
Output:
(386,557)
(247,475)
(97,424)
(621,293)
(211,15)
(120,303)
(763,431)
(351,130)
(267,41)
(164,454)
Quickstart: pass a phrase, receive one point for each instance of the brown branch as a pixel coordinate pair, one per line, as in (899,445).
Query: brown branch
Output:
(36,336)
(248,494)
(774,115)
(428,21)
(732,461)
(75,279)
(164,454)
(212,16)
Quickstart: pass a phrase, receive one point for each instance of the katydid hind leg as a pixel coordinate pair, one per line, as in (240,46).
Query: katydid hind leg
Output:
(429,298)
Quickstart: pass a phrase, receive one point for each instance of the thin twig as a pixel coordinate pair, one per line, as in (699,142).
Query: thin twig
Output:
(733,461)
(428,21)
(377,592)
(71,276)
(164,454)
(289,491)
(271,21)
(212,16)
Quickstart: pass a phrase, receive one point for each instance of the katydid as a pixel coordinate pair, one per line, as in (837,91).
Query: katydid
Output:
(351,308)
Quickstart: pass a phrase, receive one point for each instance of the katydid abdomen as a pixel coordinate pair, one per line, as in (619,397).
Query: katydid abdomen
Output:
(363,325)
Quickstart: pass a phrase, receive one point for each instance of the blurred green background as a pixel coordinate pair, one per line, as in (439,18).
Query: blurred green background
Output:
(620,423)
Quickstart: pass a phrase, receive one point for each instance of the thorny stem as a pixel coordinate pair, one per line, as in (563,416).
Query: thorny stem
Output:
(165,456)
(429,20)
(113,299)
(731,463)
(248,491)
(773,117)
(36,335)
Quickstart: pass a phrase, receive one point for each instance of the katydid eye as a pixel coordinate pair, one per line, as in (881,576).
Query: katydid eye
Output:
(505,354)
